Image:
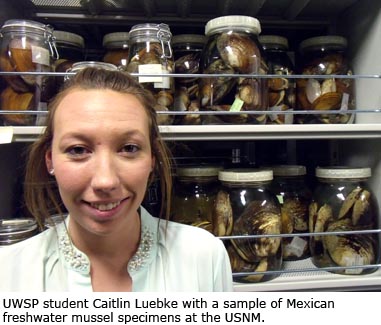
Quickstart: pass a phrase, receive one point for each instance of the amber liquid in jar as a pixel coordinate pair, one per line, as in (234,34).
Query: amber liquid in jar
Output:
(342,201)
(325,55)
(294,197)
(246,206)
(233,48)
(194,196)
(26,46)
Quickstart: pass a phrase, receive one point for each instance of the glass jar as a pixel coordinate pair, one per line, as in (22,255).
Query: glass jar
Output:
(233,48)
(90,64)
(325,55)
(15,230)
(246,206)
(70,48)
(116,45)
(294,197)
(151,53)
(26,46)
(343,201)
(187,50)
(194,195)
(281,90)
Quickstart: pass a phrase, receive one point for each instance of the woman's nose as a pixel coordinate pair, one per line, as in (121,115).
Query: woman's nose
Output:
(104,175)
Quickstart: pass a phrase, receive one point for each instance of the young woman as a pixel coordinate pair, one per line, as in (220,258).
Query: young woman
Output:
(100,150)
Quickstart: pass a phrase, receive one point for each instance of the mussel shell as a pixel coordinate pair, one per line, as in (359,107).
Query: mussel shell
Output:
(240,52)
(13,101)
(258,219)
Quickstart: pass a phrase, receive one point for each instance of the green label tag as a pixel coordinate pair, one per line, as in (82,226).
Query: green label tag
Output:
(280,198)
(237,105)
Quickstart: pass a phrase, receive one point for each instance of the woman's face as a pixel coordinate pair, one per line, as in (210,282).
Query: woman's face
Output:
(102,158)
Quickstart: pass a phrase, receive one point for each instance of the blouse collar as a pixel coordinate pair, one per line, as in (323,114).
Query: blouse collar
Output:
(78,261)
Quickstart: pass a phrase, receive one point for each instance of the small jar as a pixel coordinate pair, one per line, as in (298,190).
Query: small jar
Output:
(116,45)
(151,53)
(281,90)
(232,47)
(194,195)
(294,197)
(70,48)
(15,230)
(90,64)
(325,55)
(187,50)
(343,201)
(246,206)
(26,46)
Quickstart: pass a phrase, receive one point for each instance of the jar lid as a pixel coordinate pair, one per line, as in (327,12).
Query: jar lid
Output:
(245,175)
(17,226)
(119,37)
(330,40)
(68,38)
(343,172)
(273,41)
(94,64)
(23,25)
(157,31)
(288,170)
(188,38)
(203,171)
(244,23)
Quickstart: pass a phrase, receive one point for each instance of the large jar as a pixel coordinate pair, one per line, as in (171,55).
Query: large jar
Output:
(15,230)
(281,90)
(70,48)
(26,46)
(151,53)
(325,55)
(343,201)
(194,195)
(117,49)
(233,48)
(187,50)
(246,206)
(294,196)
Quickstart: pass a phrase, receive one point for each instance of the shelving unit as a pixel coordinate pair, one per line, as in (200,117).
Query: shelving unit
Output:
(359,21)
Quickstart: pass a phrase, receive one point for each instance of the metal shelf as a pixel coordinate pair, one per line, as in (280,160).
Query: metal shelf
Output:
(233,132)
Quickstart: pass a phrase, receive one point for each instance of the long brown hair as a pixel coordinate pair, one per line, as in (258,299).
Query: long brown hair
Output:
(40,189)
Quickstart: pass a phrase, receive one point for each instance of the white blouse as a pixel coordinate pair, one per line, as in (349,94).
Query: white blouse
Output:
(170,257)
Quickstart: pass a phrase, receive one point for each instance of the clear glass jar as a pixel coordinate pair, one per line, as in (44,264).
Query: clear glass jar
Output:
(246,206)
(187,50)
(15,230)
(343,201)
(233,48)
(325,55)
(70,48)
(281,90)
(194,195)
(117,49)
(26,46)
(90,64)
(294,197)
(151,53)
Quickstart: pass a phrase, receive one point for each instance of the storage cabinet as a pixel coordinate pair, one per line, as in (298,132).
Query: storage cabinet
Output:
(357,144)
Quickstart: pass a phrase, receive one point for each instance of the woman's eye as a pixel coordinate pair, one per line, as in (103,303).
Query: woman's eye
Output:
(130,148)
(77,151)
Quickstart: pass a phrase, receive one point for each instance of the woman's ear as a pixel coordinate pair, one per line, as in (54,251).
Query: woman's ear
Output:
(49,161)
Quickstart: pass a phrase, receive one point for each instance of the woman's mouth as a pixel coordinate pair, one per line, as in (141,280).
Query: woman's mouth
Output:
(105,206)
